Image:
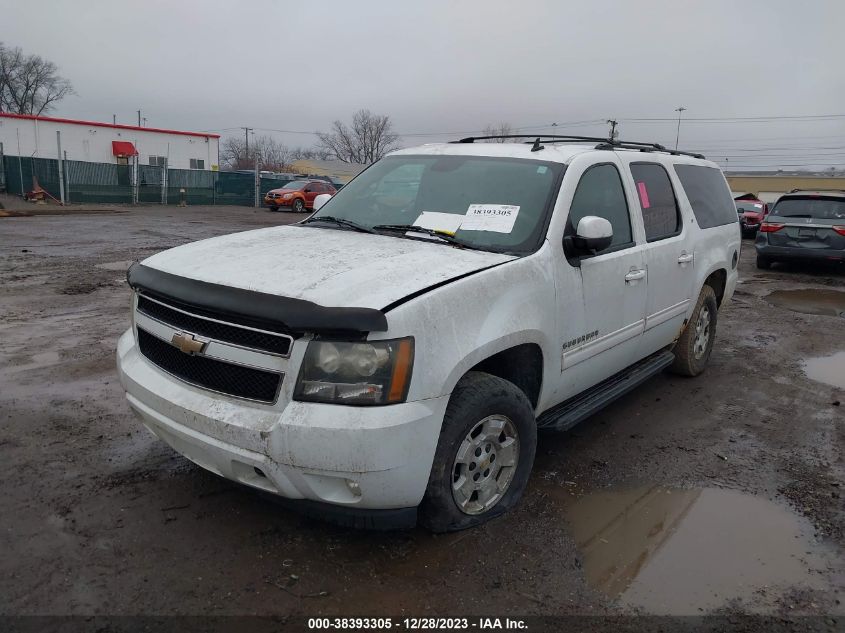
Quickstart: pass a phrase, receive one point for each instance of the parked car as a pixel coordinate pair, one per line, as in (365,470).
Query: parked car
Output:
(751,212)
(391,358)
(298,195)
(803,225)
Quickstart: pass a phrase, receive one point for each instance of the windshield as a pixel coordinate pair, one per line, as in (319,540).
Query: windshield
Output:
(296,184)
(810,206)
(754,207)
(497,204)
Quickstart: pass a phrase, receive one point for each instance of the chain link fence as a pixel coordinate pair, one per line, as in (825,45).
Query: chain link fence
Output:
(87,182)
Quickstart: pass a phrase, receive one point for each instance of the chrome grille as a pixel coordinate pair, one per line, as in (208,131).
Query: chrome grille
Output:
(216,375)
(216,329)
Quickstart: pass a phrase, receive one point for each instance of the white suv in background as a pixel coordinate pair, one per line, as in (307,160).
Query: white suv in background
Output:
(392,356)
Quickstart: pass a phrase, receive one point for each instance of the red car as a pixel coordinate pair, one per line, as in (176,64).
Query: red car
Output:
(298,195)
(751,212)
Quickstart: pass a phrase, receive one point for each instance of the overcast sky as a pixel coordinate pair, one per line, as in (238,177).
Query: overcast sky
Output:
(446,69)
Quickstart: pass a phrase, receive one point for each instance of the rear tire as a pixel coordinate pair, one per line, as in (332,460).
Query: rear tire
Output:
(484,455)
(692,351)
(763,263)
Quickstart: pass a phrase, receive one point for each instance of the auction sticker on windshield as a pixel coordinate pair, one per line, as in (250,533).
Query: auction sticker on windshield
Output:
(498,218)
(437,221)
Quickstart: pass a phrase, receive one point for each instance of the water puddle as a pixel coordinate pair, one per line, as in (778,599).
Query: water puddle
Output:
(681,552)
(809,301)
(121,265)
(827,369)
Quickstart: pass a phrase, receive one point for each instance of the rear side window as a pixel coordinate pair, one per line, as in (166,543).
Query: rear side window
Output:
(661,217)
(600,193)
(708,195)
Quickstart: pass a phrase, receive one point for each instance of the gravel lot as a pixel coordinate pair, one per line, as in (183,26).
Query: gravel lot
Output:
(720,494)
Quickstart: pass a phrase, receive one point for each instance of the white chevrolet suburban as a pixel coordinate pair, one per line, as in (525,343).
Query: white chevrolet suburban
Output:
(390,359)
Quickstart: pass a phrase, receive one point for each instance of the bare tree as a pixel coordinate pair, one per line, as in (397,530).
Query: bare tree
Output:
(29,84)
(310,153)
(369,138)
(502,129)
(272,155)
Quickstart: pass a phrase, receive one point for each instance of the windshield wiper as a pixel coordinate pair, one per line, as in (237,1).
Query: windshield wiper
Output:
(439,234)
(339,221)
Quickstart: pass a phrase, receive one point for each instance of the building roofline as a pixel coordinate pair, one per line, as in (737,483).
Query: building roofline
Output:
(118,126)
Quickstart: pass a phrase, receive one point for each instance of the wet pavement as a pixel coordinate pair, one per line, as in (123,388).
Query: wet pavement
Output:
(719,494)
(810,301)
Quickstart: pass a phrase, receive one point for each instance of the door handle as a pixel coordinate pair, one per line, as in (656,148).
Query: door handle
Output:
(685,258)
(635,275)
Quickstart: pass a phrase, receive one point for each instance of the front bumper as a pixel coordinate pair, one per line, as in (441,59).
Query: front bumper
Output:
(354,457)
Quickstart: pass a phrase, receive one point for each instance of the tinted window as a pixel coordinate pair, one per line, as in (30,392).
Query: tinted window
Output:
(600,193)
(811,207)
(657,200)
(708,195)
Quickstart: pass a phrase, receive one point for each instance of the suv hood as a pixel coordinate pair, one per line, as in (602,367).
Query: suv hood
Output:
(329,267)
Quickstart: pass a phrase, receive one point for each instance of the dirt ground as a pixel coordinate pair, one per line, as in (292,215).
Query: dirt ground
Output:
(719,494)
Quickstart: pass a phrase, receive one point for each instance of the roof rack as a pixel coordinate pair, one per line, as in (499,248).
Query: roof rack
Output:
(602,143)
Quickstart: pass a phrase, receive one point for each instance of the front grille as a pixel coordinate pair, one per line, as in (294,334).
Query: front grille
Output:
(275,343)
(220,376)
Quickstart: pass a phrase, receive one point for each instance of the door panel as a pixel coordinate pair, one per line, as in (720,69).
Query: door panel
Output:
(669,255)
(614,302)
(613,287)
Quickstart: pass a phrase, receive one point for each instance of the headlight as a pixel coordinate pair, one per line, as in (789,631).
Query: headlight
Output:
(287,195)
(364,373)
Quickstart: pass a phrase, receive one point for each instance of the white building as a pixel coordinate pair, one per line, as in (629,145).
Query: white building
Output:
(27,135)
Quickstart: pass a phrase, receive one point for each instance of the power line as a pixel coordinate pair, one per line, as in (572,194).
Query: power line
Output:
(808,117)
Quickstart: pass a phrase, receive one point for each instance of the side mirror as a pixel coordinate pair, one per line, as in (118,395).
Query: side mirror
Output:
(307,190)
(320,200)
(593,234)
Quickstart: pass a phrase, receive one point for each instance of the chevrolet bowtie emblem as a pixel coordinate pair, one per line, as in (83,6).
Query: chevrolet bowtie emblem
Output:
(187,343)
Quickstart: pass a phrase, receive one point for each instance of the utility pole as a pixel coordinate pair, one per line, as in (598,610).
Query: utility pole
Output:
(678,134)
(145,121)
(247,130)
(139,118)
(61,167)
(613,125)
(114,119)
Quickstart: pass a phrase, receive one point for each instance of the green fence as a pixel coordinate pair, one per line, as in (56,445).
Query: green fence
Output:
(120,184)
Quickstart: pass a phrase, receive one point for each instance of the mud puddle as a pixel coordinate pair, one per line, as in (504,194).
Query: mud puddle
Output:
(809,301)
(684,552)
(827,369)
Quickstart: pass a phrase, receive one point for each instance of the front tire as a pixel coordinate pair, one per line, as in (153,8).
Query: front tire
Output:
(484,455)
(692,351)
(298,206)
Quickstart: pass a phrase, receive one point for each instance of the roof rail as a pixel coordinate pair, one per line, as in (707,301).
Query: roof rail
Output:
(546,137)
(602,143)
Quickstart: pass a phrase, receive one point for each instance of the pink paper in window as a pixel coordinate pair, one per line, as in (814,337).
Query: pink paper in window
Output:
(643,195)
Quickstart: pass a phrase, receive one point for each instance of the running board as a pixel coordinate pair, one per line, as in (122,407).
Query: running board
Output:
(567,414)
